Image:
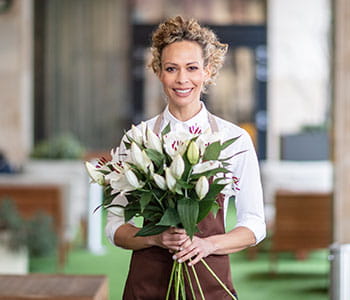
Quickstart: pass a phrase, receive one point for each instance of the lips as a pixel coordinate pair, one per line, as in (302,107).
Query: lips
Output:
(183,92)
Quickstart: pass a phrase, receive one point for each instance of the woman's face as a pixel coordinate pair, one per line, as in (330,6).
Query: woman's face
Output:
(183,73)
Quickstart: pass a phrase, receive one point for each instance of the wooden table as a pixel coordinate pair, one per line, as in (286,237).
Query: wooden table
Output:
(53,287)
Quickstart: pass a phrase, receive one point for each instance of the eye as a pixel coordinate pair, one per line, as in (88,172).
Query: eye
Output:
(170,69)
(192,68)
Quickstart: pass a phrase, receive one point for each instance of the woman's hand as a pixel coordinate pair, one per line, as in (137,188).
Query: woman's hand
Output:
(172,239)
(195,250)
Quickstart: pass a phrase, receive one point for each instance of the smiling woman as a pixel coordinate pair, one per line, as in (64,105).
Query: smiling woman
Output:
(186,59)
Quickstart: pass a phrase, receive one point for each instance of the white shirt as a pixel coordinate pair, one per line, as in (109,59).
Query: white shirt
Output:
(248,198)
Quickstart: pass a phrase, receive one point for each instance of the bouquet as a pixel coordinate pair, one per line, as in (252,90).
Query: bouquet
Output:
(165,180)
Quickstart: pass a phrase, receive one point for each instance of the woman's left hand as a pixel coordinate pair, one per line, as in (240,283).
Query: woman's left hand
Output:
(195,250)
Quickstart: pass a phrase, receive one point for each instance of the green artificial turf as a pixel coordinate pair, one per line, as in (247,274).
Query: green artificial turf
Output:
(307,279)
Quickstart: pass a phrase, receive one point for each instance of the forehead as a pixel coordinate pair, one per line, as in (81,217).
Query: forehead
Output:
(182,52)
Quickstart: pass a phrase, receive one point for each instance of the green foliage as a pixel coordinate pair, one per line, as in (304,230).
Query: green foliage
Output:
(36,234)
(65,146)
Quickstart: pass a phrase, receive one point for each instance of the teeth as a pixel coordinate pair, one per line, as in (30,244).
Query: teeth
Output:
(182,91)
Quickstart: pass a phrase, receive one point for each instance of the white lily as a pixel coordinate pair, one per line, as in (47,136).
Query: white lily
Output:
(177,166)
(132,179)
(170,180)
(94,174)
(140,158)
(160,181)
(176,142)
(115,154)
(205,166)
(136,134)
(202,187)
(153,141)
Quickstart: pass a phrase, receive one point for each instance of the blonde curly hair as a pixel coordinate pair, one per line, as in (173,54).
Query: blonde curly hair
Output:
(178,29)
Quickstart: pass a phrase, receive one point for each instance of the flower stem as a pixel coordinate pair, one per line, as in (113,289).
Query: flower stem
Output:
(171,280)
(197,280)
(218,279)
(178,278)
(190,282)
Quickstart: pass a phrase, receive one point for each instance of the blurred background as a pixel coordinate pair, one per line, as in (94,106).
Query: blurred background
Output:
(74,76)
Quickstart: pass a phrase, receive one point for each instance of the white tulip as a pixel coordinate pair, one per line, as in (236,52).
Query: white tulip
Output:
(94,174)
(177,166)
(160,181)
(202,187)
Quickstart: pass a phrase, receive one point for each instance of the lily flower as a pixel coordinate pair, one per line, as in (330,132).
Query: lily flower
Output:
(153,141)
(176,142)
(202,187)
(94,174)
(160,181)
(132,179)
(205,166)
(140,158)
(170,180)
(136,134)
(177,166)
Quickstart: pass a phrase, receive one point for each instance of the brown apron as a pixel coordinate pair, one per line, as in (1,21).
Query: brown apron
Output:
(150,268)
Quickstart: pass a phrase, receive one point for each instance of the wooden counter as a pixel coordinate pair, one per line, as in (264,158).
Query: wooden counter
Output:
(53,287)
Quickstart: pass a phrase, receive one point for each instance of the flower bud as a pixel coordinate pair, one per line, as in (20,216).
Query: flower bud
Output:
(132,179)
(94,174)
(139,158)
(170,180)
(177,167)
(136,134)
(160,181)
(202,187)
(193,153)
(153,141)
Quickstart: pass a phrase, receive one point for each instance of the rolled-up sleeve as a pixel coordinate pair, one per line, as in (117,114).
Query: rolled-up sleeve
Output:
(114,221)
(249,196)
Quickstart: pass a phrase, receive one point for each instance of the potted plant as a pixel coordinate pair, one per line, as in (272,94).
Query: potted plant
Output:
(21,239)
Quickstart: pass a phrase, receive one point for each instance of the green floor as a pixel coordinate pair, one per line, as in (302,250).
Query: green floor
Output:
(294,280)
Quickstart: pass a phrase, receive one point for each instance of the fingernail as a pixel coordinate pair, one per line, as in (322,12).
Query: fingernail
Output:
(181,249)
(180,260)
(174,257)
(189,264)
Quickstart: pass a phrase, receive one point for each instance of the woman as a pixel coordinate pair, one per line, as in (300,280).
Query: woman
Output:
(186,59)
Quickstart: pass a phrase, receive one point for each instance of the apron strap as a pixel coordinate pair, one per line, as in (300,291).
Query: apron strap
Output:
(212,122)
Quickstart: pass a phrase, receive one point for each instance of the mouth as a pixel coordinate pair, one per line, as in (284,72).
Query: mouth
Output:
(183,92)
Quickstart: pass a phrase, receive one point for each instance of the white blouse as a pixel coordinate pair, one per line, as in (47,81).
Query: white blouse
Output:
(248,190)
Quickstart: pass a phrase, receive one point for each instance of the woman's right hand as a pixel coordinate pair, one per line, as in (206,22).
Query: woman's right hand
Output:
(172,239)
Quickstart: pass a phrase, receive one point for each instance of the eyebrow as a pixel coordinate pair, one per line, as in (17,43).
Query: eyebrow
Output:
(174,64)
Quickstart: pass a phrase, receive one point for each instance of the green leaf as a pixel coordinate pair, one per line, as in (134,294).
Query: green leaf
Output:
(151,229)
(188,210)
(145,200)
(229,142)
(212,152)
(214,191)
(131,210)
(155,156)
(215,208)
(152,213)
(170,218)
(204,208)
(166,129)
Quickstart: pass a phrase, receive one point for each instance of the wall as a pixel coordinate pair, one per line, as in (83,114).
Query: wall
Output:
(16,81)
(299,68)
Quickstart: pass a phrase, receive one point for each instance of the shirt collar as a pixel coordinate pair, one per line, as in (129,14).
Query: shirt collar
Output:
(199,120)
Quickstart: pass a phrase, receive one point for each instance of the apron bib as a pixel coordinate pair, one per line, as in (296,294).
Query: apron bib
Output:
(150,268)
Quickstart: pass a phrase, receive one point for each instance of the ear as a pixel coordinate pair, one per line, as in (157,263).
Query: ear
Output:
(207,71)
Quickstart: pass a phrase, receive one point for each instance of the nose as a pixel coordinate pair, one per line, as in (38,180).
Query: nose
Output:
(181,77)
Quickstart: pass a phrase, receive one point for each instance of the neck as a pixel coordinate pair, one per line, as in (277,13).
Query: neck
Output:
(185,113)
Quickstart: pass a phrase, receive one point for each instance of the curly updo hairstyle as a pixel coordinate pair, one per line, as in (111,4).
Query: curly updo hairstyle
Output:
(178,29)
